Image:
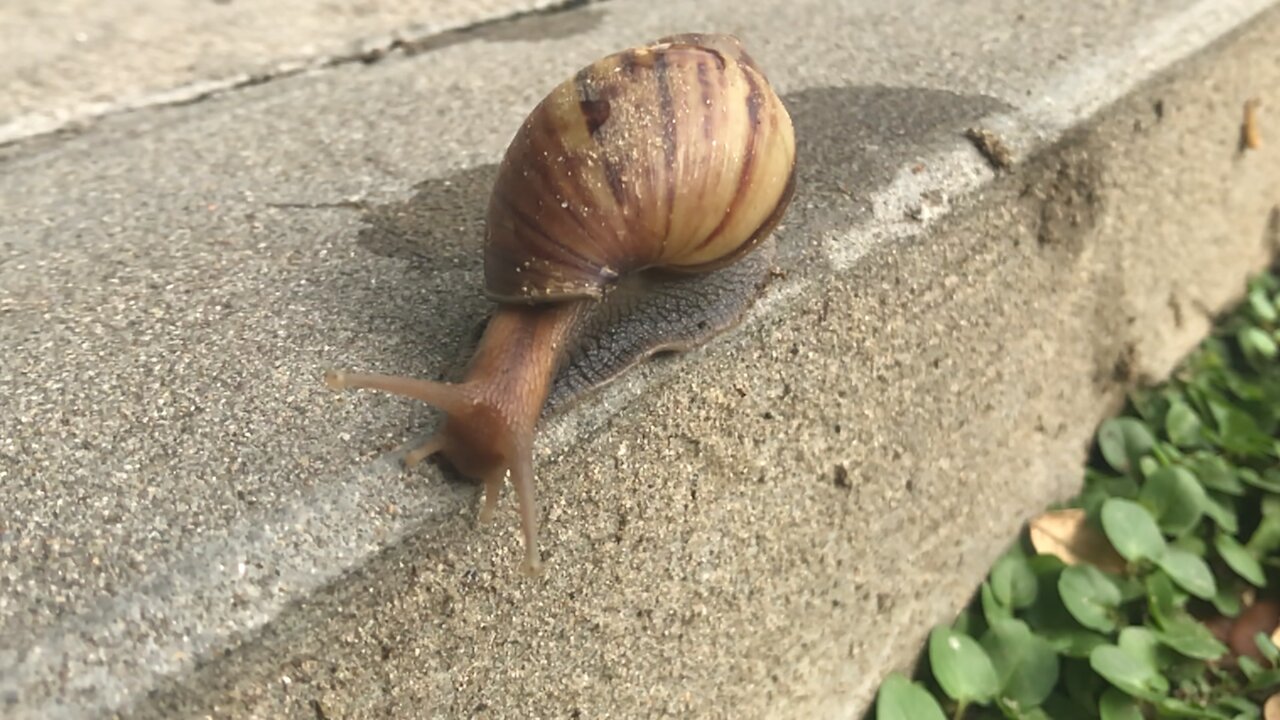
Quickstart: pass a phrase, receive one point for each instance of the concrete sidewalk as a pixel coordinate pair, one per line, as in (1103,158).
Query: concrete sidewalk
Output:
(194,526)
(66,62)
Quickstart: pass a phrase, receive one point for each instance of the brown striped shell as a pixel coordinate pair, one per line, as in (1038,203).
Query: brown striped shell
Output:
(676,155)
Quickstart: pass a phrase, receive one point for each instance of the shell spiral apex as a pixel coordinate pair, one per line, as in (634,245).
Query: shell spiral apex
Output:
(676,154)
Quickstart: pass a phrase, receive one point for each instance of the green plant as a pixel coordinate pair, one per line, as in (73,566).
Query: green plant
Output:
(1150,594)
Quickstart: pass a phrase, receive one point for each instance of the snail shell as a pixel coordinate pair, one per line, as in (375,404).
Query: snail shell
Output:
(676,154)
(632,213)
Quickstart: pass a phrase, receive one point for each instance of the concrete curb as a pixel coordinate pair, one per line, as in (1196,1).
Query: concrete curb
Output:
(945,335)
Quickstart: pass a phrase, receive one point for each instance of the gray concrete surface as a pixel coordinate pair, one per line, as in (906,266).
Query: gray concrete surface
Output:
(194,527)
(64,62)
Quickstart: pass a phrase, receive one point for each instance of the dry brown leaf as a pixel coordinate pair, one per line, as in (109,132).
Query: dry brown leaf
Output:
(1066,534)
(1271,710)
(1260,617)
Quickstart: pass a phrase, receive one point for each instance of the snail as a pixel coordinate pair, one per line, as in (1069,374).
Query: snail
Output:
(632,213)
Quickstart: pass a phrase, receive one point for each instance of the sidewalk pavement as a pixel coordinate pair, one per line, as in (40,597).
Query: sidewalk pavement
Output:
(194,526)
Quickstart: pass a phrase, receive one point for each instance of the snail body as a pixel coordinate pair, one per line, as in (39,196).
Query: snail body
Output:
(632,213)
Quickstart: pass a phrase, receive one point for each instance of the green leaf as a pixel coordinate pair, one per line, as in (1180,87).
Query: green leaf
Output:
(1266,537)
(1176,499)
(1182,425)
(1127,673)
(1216,474)
(992,609)
(1123,441)
(1073,642)
(1267,647)
(1090,596)
(1148,464)
(1248,709)
(1115,705)
(1165,597)
(901,699)
(1270,482)
(1248,394)
(1099,487)
(1240,559)
(1238,432)
(1151,404)
(1227,600)
(961,666)
(1049,617)
(1193,544)
(1026,665)
(1257,344)
(1190,637)
(1267,680)
(1175,708)
(1223,514)
(1013,582)
(1261,307)
(1131,530)
(1189,571)
(1143,644)
(1250,667)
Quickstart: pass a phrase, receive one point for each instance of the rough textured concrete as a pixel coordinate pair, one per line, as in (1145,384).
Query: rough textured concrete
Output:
(68,61)
(197,528)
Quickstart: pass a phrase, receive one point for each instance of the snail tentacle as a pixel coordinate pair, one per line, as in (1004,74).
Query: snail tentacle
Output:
(447,397)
